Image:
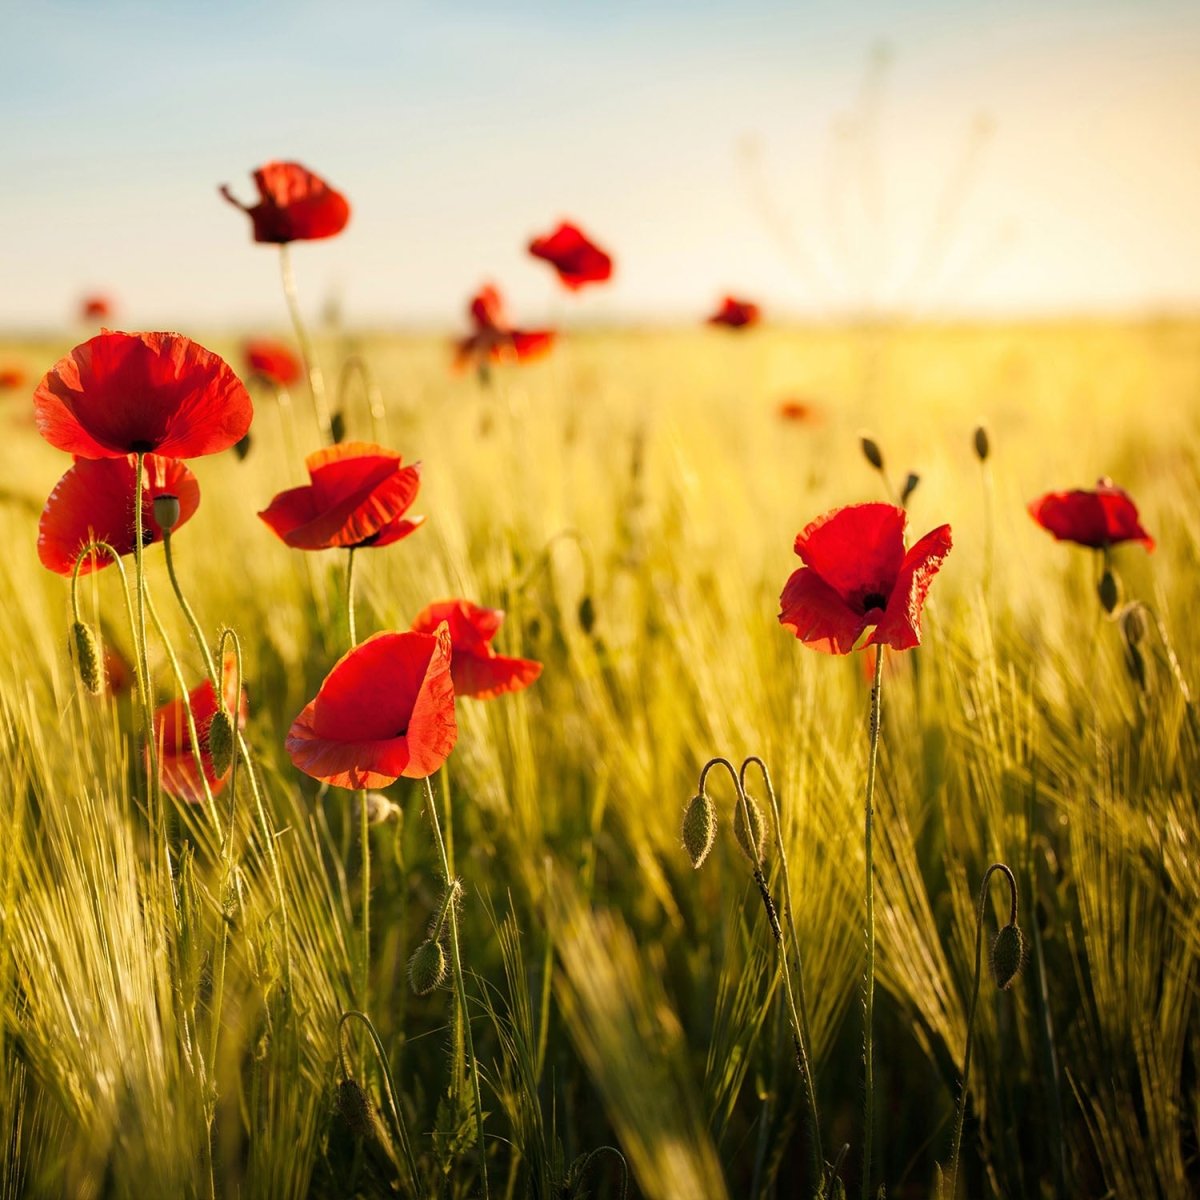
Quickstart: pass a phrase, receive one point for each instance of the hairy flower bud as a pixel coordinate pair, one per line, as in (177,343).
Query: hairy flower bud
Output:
(699,828)
(910,486)
(427,967)
(87,657)
(1008,955)
(1109,590)
(871,452)
(220,742)
(587,614)
(982,445)
(354,1107)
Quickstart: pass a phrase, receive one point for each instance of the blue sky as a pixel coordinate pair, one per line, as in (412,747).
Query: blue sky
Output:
(942,158)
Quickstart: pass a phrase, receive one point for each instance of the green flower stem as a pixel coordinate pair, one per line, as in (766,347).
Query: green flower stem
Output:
(460,990)
(316,381)
(869,976)
(350,597)
(209,663)
(961,1110)
(144,681)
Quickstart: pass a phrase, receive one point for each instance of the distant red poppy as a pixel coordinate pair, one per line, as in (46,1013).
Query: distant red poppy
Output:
(477,670)
(118,674)
(576,258)
(94,500)
(1097,518)
(358,497)
(385,710)
(736,314)
(494,339)
(11,377)
(274,360)
(294,205)
(858,574)
(176,761)
(128,393)
(797,410)
(96,307)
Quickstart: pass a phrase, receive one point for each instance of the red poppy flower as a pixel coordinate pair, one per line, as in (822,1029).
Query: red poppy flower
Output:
(797,410)
(11,377)
(273,360)
(385,710)
(358,497)
(576,258)
(494,339)
(176,762)
(118,674)
(735,314)
(93,502)
(96,308)
(477,670)
(128,393)
(294,205)
(1098,519)
(858,574)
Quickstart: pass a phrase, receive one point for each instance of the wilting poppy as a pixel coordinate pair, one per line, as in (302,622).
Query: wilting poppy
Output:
(11,377)
(176,761)
(129,393)
(735,314)
(93,502)
(477,670)
(95,307)
(273,360)
(494,339)
(1097,518)
(385,710)
(294,205)
(358,497)
(857,573)
(576,258)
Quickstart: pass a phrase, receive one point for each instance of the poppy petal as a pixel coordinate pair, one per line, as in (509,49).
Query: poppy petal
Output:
(485,676)
(857,550)
(471,626)
(900,626)
(818,615)
(294,205)
(576,258)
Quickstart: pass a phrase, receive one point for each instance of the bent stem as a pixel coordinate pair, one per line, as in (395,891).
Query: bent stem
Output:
(803,1036)
(961,1111)
(460,989)
(869,975)
(316,381)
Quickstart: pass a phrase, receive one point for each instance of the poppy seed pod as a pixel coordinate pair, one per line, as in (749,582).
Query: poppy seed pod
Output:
(87,657)
(1109,591)
(982,445)
(220,741)
(354,1107)
(1008,955)
(750,840)
(871,452)
(166,511)
(427,967)
(699,828)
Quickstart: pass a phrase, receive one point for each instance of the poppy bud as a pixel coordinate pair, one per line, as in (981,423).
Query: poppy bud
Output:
(1108,590)
(337,426)
(750,841)
(982,445)
(587,614)
(910,486)
(166,512)
(699,828)
(220,742)
(354,1107)
(1008,955)
(1135,664)
(87,657)
(872,453)
(241,448)
(1133,623)
(427,967)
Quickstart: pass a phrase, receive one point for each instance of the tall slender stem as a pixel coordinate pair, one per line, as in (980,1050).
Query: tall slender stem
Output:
(197,632)
(316,381)
(460,990)
(869,975)
(961,1110)
(350,597)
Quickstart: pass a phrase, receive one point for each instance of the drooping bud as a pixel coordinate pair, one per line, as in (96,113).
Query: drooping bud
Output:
(910,486)
(1133,623)
(1108,590)
(1008,955)
(750,840)
(166,512)
(587,614)
(699,828)
(242,448)
(354,1107)
(982,445)
(220,742)
(337,426)
(427,967)
(87,657)
(871,452)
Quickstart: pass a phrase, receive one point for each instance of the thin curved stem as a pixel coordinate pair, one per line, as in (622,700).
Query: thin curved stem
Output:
(316,381)
(961,1111)
(869,976)
(803,1036)
(461,991)
(197,632)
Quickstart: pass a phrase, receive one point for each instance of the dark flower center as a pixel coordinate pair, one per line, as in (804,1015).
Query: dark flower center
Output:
(874,600)
(141,447)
